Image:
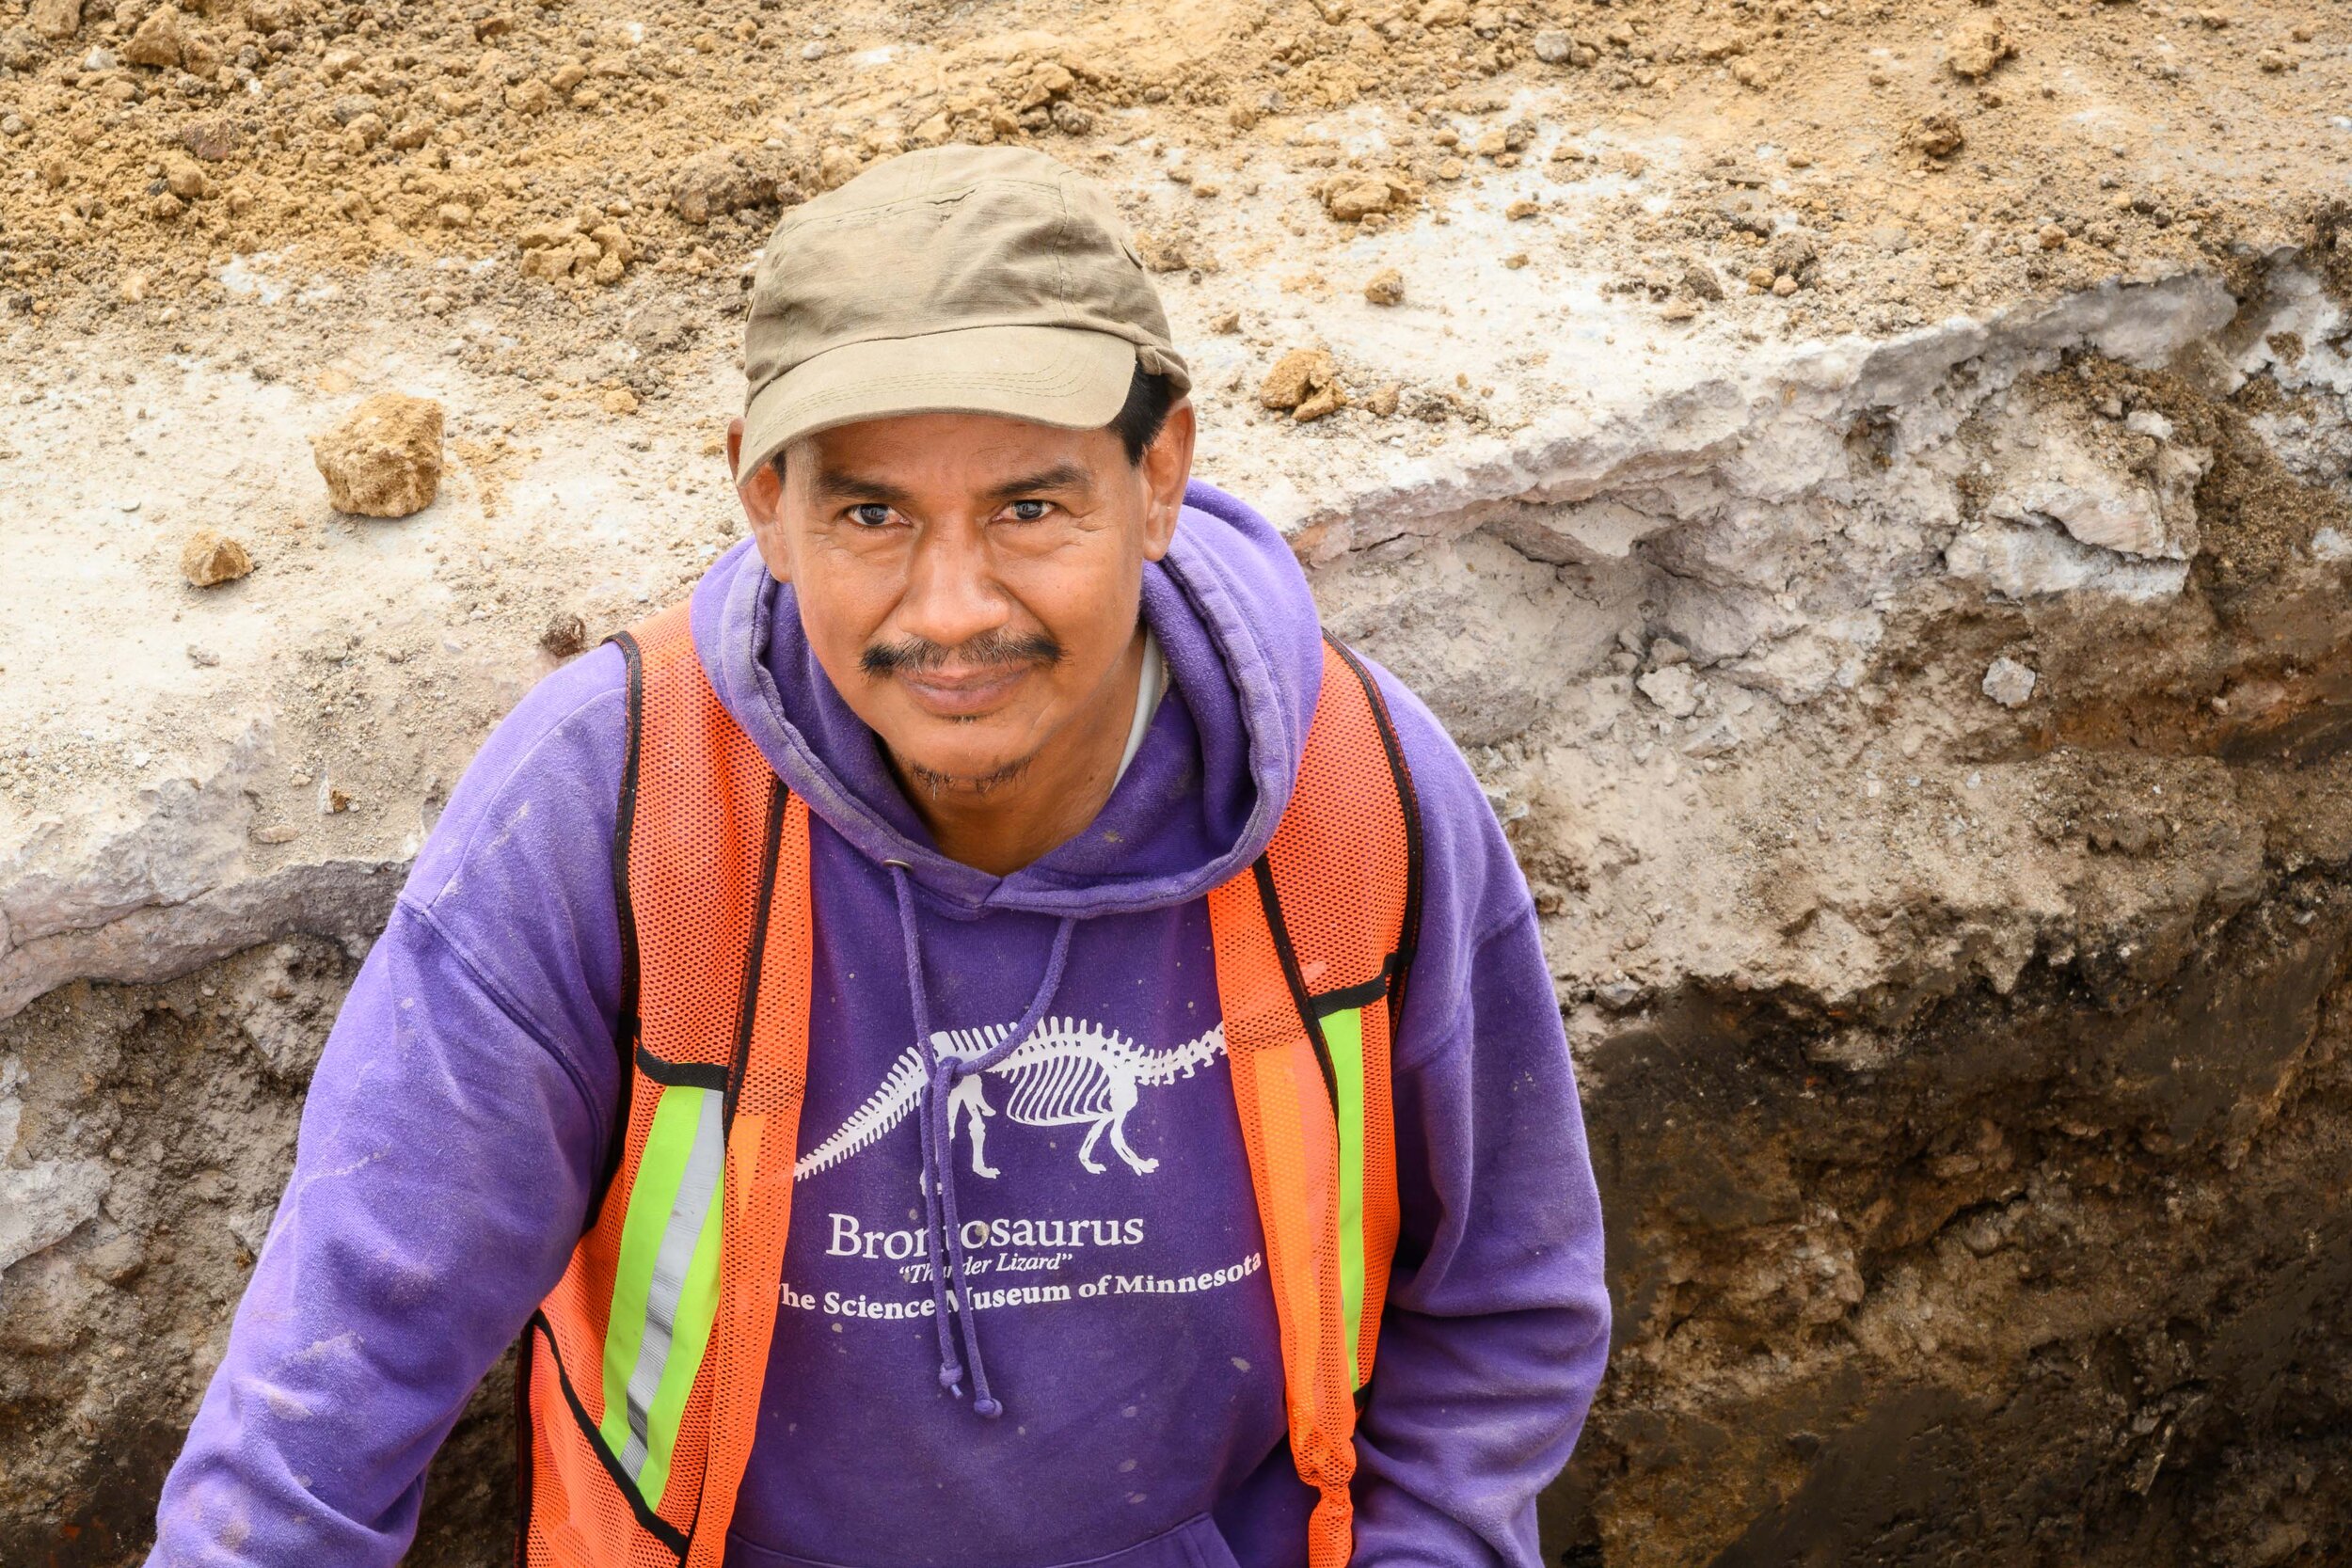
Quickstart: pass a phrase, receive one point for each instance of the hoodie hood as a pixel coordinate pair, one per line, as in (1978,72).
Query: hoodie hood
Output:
(1196,805)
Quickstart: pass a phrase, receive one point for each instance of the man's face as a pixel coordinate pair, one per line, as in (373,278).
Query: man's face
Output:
(969,583)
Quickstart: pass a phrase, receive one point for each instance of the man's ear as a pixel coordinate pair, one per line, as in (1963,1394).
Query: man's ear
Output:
(762,495)
(1166,469)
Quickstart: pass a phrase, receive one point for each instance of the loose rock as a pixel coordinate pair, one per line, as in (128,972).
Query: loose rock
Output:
(1938,135)
(1978,45)
(183,178)
(1670,689)
(713,184)
(211,558)
(1353,197)
(2008,682)
(57,19)
(1160,252)
(384,458)
(564,635)
(213,140)
(1386,287)
(1286,385)
(160,40)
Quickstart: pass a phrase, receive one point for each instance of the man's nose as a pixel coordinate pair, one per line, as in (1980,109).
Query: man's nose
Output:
(952,595)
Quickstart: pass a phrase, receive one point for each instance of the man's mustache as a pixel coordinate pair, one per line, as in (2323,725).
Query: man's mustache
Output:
(917,655)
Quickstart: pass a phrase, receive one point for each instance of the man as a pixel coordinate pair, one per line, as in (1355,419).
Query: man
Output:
(1127,999)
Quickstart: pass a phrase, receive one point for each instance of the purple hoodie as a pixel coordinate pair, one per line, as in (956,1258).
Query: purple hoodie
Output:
(458,1124)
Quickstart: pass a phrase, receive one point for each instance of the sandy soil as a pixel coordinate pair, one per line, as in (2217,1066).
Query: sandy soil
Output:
(1940,893)
(1886,159)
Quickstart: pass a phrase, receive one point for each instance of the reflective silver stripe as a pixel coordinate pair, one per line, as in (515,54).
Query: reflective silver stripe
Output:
(686,1212)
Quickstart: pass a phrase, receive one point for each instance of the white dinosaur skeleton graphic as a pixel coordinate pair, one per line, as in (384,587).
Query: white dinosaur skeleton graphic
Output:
(1068,1072)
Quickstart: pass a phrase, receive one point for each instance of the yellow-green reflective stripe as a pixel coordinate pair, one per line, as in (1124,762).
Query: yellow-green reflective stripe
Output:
(665,1287)
(1343,1034)
(697,1307)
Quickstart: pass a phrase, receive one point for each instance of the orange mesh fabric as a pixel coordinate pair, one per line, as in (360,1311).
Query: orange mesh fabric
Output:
(1323,924)
(715,925)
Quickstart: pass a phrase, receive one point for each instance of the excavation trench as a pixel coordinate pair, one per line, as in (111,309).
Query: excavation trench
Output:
(1932,764)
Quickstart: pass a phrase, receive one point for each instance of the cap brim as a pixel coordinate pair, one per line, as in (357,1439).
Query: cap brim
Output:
(1055,375)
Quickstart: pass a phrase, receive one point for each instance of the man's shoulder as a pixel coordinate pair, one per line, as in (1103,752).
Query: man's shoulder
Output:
(544,787)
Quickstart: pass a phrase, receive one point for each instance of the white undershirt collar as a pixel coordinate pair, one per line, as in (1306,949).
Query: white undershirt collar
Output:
(1151,685)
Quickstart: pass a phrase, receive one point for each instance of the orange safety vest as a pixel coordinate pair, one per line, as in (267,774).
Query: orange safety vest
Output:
(641,1371)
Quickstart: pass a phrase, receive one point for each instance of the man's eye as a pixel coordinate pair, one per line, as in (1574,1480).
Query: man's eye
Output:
(1029,511)
(870,514)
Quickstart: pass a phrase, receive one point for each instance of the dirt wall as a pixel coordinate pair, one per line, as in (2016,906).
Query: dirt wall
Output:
(1867,485)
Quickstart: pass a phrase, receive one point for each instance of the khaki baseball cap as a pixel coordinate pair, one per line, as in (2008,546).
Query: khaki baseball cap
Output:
(957,279)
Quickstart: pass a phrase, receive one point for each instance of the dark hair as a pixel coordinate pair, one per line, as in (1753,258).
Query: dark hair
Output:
(1149,396)
(1137,423)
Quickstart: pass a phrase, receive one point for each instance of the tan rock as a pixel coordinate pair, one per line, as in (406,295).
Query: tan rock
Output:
(384,458)
(1352,197)
(529,97)
(274,15)
(1938,135)
(1386,287)
(56,19)
(1160,252)
(183,178)
(160,40)
(1977,44)
(1298,380)
(1325,400)
(210,558)
(714,183)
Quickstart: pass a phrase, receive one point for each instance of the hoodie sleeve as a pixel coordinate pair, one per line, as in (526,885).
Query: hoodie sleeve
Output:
(452,1137)
(1497,1324)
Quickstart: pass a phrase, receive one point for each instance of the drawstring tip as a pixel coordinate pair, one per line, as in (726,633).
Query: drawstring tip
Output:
(986,1406)
(951,1378)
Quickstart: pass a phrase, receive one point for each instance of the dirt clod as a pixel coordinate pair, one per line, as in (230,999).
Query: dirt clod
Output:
(1298,378)
(717,185)
(161,39)
(56,19)
(1352,197)
(210,558)
(384,458)
(185,178)
(1978,45)
(566,634)
(1938,135)
(1386,287)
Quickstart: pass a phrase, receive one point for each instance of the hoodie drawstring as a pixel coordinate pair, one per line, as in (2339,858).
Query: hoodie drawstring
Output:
(939,1181)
